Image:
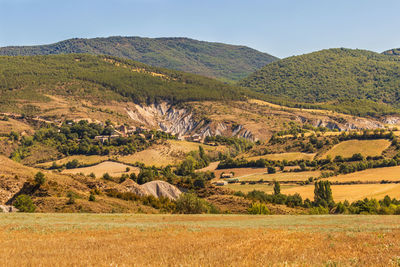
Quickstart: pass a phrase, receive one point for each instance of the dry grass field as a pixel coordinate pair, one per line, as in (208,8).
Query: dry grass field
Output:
(110,167)
(172,152)
(198,240)
(86,160)
(13,125)
(370,175)
(280,176)
(350,192)
(245,188)
(347,149)
(290,156)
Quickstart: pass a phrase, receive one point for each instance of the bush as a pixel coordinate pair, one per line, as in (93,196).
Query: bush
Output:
(191,204)
(271,170)
(24,203)
(258,208)
(72,164)
(107,176)
(92,197)
(40,179)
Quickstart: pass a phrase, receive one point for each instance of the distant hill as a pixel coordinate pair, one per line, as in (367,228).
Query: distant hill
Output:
(392,52)
(338,78)
(222,61)
(103,78)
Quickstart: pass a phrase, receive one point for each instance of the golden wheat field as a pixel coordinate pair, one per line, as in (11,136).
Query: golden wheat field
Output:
(289,156)
(198,240)
(110,167)
(348,148)
(350,192)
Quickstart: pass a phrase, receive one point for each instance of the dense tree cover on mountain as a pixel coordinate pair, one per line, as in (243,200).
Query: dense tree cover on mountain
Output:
(104,78)
(353,81)
(217,60)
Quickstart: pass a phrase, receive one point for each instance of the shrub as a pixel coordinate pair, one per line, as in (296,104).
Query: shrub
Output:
(40,179)
(271,170)
(107,176)
(72,164)
(24,203)
(191,204)
(258,208)
(92,197)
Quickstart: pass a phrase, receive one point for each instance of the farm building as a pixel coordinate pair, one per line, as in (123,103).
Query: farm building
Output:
(221,183)
(226,175)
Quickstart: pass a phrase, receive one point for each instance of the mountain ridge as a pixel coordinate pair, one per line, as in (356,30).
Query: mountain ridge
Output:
(225,62)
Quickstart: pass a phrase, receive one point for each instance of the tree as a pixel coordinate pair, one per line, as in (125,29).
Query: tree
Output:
(271,170)
(258,208)
(191,204)
(277,188)
(92,197)
(24,204)
(40,179)
(323,194)
(107,176)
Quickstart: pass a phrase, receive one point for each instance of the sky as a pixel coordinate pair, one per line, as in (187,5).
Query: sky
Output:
(279,27)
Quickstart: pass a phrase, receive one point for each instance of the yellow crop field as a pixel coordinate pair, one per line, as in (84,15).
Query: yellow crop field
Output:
(281,176)
(370,175)
(245,188)
(348,148)
(198,240)
(85,160)
(350,192)
(110,167)
(290,156)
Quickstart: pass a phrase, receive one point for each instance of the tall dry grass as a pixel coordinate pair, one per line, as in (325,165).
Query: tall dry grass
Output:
(199,241)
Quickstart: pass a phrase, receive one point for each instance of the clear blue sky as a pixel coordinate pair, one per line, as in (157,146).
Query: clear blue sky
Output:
(279,27)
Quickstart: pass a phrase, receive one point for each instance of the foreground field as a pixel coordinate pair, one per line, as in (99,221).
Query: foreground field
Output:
(347,149)
(198,240)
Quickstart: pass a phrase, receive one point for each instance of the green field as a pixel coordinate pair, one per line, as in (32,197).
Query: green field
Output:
(198,240)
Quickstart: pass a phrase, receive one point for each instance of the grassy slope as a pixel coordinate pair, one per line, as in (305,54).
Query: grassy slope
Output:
(217,60)
(370,79)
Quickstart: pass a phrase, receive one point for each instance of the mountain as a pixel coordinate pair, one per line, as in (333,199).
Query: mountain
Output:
(392,52)
(222,61)
(103,78)
(336,78)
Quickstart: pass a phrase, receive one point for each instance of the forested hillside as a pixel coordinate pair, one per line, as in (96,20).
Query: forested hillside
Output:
(334,77)
(103,78)
(216,60)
